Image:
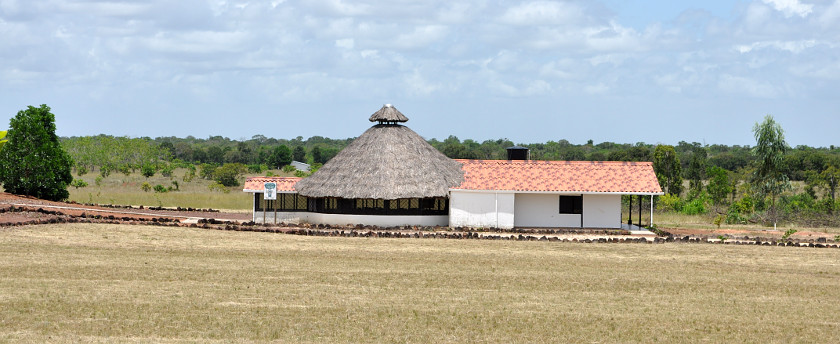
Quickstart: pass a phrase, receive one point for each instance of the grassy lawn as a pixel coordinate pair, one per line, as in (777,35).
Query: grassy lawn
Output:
(103,283)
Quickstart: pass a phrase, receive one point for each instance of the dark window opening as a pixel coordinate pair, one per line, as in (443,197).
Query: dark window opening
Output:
(571,204)
(284,202)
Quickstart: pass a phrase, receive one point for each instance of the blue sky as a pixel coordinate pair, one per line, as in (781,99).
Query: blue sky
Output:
(530,71)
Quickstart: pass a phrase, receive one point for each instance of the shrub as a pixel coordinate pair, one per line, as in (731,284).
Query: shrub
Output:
(269,174)
(788,233)
(78,183)
(208,171)
(668,202)
(300,174)
(160,188)
(695,207)
(146,187)
(257,168)
(167,170)
(218,187)
(81,170)
(190,174)
(98,181)
(177,187)
(147,170)
(289,168)
(124,169)
(229,174)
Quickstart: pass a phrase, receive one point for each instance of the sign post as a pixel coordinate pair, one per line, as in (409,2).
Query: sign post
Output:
(270,194)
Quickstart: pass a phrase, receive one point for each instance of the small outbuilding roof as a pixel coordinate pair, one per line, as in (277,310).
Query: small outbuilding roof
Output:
(560,176)
(284,184)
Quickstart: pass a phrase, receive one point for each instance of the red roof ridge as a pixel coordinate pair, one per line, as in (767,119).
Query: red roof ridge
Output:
(554,162)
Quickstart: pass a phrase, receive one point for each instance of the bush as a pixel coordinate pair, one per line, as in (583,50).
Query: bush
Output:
(301,174)
(228,174)
(177,187)
(147,170)
(208,171)
(289,168)
(167,170)
(81,170)
(190,174)
(78,183)
(668,202)
(697,205)
(257,168)
(98,181)
(146,187)
(124,169)
(160,188)
(218,187)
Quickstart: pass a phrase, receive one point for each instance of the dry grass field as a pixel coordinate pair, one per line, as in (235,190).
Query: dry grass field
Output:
(126,190)
(105,283)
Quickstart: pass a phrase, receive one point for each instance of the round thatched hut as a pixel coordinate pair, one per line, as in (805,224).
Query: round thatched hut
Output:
(388,170)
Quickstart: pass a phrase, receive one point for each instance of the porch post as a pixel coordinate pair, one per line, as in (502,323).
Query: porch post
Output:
(630,211)
(651,211)
(640,210)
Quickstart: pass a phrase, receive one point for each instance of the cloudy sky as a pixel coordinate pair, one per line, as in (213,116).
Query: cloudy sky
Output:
(531,71)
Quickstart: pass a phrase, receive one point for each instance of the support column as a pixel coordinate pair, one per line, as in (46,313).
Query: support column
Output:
(640,210)
(651,212)
(630,211)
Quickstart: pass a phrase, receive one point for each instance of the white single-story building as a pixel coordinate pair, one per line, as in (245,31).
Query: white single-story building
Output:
(501,194)
(391,176)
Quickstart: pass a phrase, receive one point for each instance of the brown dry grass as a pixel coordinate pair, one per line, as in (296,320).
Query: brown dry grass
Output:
(104,283)
(126,190)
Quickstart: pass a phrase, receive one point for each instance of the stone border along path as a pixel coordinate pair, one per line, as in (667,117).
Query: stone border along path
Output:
(187,219)
(236,225)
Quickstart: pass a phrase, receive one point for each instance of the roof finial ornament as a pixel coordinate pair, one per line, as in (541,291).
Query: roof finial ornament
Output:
(388,114)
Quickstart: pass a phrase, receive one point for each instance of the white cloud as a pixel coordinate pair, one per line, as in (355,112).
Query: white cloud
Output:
(542,13)
(795,47)
(791,7)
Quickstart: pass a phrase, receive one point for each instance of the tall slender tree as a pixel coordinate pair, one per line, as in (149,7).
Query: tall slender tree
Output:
(768,178)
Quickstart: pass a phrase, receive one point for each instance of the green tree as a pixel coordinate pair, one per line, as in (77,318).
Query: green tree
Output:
(281,156)
(696,171)
(228,174)
(720,184)
(32,162)
(2,138)
(666,164)
(147,170)
(768,178)
(299,154)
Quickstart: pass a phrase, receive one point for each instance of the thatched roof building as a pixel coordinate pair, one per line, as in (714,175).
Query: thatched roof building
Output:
(388,161)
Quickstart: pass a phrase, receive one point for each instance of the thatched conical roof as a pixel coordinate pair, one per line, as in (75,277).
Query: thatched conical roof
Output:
(388,113)
(388,161)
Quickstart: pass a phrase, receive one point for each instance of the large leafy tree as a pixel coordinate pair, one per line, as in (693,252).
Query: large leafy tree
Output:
(666,164)
(3,138)
(32,162)
(769,151)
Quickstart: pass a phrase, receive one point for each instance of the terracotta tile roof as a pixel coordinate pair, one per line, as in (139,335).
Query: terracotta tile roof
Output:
(284,184)
(559,176)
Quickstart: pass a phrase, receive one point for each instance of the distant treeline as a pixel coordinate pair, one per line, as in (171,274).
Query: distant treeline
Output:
(121,153)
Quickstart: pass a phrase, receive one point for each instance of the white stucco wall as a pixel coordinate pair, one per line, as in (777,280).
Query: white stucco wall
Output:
(481,209)
(542,210)
(602,211)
